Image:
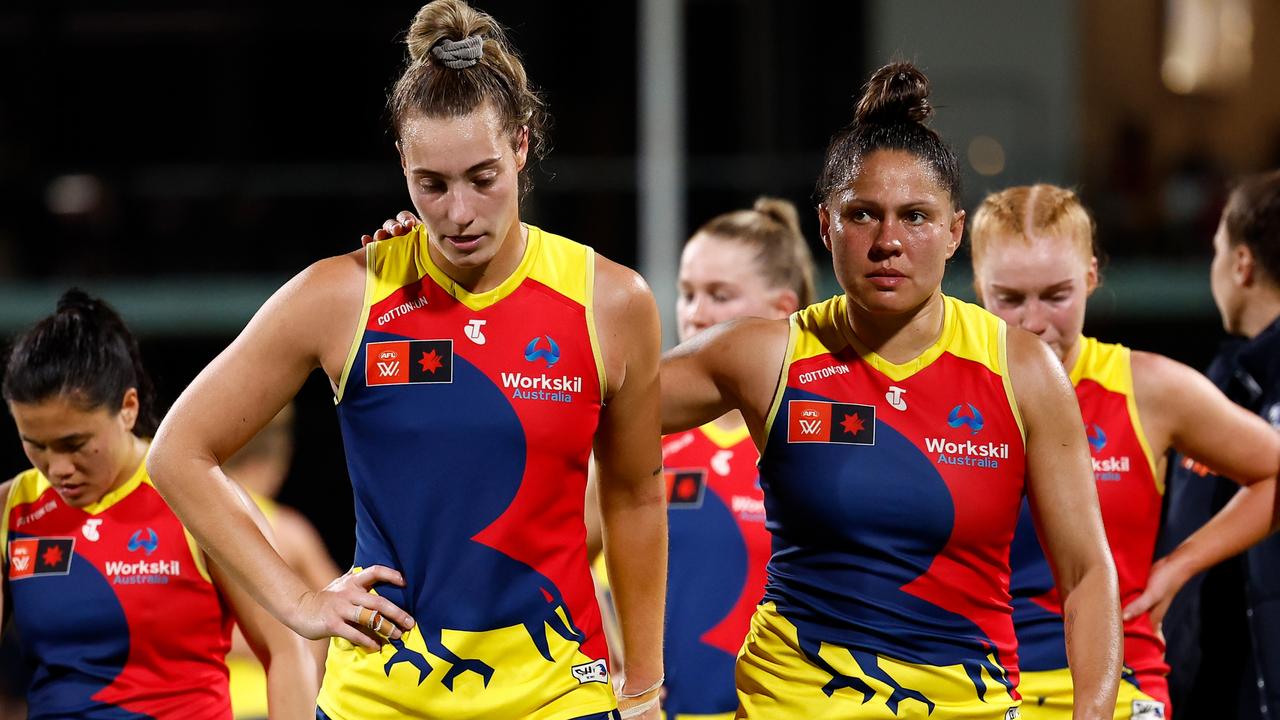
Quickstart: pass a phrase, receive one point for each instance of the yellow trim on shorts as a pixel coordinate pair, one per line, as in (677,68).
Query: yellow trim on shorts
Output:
(370,279)
(1048,695)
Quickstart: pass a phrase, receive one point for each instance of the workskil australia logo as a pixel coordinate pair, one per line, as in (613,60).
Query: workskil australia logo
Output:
(1108,469)
(142,572)
(967,452)
(542,386)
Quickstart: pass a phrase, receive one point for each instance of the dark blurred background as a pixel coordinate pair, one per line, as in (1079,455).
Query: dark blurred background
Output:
(184,158)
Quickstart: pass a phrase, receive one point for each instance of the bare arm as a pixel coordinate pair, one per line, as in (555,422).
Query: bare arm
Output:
(308,323)
(1202,423)
(1061,489)
(733,366)
(292,682)
(628,453)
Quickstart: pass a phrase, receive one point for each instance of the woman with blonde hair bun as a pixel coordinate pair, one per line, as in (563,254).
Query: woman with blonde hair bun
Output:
(1035,266)
(475,361)
(744,263)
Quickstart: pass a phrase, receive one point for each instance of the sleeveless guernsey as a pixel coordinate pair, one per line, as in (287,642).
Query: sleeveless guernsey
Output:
(467,421)
(1130,496)
(716,568)
(892,495)
(114,607)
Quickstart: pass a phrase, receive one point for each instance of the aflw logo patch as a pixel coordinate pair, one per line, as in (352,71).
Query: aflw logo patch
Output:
(818,421)
(29,557)
(408,362)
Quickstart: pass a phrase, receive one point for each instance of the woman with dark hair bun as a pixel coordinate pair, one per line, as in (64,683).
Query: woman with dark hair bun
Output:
(117,609)
(899,430)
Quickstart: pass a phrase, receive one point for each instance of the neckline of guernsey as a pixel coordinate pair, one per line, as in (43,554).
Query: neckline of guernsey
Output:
(480,300)
(128,486)
(725,439)
(899,371)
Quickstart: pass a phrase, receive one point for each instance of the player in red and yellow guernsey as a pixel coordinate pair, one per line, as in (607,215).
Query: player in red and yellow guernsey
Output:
(117,610)
(1034,266)
(899,430)
(719,549)
(476,361)
(746,263)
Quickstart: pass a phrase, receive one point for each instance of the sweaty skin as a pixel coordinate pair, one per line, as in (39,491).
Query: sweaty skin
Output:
(890,233)
(463,177)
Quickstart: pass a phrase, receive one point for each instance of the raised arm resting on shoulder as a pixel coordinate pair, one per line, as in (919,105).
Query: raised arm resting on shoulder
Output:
(1063,499)
(733,366)
(308,323)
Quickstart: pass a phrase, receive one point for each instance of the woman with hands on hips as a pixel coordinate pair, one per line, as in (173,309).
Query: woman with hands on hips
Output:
(476,362)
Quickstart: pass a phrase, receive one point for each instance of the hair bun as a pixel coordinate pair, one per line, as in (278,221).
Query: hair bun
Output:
(896,93)
(75,300)
(780,211)
(451,20)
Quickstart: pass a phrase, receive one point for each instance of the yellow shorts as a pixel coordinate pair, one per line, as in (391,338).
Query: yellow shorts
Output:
(1047,696)
(777,681)
(248,688)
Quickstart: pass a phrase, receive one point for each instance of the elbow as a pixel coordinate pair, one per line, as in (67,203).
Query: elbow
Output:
(159,464)
(162,461)
(1094,570)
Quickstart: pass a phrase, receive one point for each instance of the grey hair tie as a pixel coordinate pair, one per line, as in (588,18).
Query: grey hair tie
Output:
(459,54)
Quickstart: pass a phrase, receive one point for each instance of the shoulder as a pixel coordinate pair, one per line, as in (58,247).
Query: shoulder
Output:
(306,307)
(1156,375)
(619,289)
(333,275)
(23,487)
(6,488)
(1028,353)
(1034,370)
